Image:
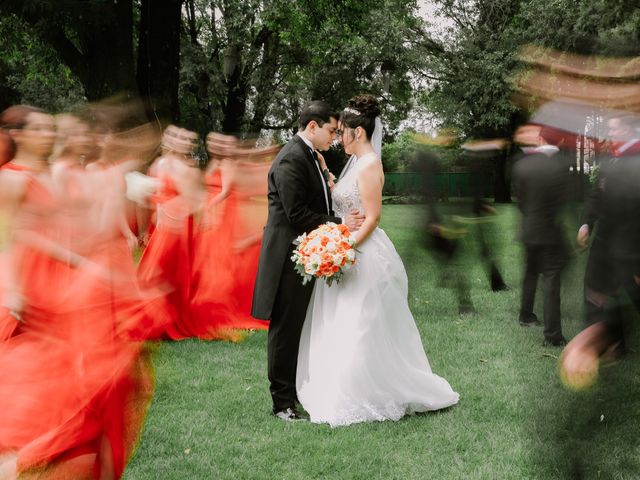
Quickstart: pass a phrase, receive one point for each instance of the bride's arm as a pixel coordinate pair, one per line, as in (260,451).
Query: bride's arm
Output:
(370,181)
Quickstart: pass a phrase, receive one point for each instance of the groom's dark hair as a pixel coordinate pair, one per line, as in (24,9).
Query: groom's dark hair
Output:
(316,110)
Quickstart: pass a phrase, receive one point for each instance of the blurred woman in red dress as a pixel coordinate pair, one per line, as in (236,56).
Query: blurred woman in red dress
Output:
(228,239)
(73,390)
(167,259)
(90,183)
(26,202)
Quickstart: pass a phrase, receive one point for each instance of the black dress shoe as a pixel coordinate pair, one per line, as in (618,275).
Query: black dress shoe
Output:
(554,342)
(531,321)
(289,415)
(466,309)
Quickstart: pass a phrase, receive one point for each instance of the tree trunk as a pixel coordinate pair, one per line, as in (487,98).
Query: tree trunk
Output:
(159,58)
(237,89)
(266,81)
(107,66)
(236,105)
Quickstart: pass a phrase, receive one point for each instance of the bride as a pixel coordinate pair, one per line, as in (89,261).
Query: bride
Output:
(361,356)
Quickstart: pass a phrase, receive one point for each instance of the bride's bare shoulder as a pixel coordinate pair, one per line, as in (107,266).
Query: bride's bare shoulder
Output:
(370,163)
(369,160)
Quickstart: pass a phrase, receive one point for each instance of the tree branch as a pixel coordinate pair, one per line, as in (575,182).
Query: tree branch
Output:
(287,126)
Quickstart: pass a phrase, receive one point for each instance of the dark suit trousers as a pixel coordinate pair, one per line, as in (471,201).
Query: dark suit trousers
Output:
(548,260)
(609,278)
(287,318)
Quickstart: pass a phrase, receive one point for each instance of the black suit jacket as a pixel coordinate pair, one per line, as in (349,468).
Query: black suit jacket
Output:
(296,205)
(541,182)
(618,210)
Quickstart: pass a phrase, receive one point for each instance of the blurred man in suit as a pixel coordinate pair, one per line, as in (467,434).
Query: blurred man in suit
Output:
(540,181)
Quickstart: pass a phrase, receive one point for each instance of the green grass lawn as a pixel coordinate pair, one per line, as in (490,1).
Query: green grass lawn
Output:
(210,417)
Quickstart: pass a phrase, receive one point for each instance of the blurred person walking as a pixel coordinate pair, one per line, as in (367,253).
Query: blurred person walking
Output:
(540,182)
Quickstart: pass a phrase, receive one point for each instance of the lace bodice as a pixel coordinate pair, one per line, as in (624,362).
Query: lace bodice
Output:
(345,195)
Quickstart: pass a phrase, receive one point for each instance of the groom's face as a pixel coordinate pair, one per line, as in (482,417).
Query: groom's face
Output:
(324,136)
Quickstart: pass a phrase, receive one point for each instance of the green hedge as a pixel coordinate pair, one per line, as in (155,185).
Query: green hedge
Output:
(449,184)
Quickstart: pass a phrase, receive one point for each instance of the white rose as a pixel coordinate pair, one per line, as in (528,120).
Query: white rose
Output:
(351,255)
(315,260)
(316,242)
(337,260)
(331,247)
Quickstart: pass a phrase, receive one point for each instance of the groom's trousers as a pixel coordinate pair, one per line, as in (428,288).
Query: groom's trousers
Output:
(287,318)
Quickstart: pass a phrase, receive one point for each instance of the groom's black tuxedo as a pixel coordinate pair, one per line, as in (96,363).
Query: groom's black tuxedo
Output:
(297,204)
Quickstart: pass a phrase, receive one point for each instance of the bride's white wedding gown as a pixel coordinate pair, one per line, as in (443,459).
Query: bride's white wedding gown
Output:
(361,356)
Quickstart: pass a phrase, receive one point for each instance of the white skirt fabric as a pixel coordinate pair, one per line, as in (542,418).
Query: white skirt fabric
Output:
(361,357)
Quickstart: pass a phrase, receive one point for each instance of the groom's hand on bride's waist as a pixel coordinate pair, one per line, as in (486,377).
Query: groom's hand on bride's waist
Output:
(353,220)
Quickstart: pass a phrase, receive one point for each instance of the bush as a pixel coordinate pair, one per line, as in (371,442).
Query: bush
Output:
(398,156)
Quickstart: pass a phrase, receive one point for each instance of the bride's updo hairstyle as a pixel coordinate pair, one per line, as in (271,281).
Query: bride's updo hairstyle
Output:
(361,111)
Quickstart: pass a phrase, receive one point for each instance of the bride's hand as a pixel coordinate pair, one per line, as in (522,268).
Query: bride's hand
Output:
(354,220)
(332,180)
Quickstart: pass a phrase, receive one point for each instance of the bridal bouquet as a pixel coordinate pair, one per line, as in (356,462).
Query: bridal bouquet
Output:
(327,252)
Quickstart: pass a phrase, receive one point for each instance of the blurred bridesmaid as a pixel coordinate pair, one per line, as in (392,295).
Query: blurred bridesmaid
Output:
(168,256)
(27,203)
(228,239)
(73,390)
(89,179)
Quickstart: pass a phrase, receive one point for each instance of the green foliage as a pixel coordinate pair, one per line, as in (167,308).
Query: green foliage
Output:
(473,63)
(593,174)
(32,72)
(245,65)
(586,26)
(289,52)
(399,155)
(473,93)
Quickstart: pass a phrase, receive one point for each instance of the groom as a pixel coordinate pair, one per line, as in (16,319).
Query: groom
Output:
(299,202)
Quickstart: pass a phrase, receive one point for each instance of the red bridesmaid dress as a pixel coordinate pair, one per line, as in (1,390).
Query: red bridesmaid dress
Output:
(224,269)
(166,261)
(73,388)
(37,204)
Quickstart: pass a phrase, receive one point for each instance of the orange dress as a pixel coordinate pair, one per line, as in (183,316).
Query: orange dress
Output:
(38,203)
(73,388)
(199,262)
(224,270)
(166,261)
(8,323)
